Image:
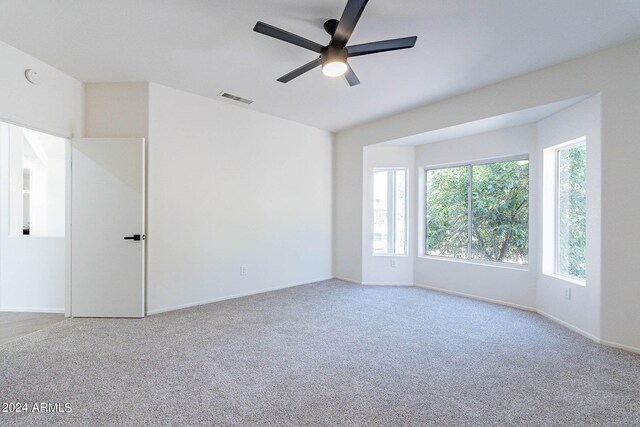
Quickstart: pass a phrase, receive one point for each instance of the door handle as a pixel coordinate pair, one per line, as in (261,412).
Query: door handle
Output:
(135,237)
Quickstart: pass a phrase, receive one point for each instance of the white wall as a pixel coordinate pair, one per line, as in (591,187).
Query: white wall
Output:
(226,187)
(614,74)
(377,269)
(510,284)
(347,214)
(231,187)
(54,106)
(582,311)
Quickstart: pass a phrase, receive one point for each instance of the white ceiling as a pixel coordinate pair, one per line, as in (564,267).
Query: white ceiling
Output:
(206,46)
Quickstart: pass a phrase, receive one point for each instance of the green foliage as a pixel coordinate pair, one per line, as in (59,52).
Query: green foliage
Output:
(572,211)
(447,212)
(499,208)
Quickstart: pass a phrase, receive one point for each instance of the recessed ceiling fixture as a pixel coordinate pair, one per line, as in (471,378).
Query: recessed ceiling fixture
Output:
(333,57)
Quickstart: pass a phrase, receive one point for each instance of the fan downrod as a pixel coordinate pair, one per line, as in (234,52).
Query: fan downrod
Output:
(330,26)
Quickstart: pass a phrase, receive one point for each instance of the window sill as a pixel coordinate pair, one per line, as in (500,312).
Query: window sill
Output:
(505,266)
(390,255)
(567,279)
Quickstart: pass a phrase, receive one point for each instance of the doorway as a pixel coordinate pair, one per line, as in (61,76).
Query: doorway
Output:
(32,227)
(72,240)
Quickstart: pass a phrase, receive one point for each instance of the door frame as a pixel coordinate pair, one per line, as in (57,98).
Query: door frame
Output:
(67,225)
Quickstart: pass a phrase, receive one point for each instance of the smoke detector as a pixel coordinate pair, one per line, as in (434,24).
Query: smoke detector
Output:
(32,76)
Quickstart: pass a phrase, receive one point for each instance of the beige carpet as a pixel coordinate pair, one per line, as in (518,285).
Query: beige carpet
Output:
(329,353)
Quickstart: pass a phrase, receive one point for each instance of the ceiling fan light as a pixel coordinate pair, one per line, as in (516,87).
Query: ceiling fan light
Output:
(335,68)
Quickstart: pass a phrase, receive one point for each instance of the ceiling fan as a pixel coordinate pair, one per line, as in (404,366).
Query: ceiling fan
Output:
(333,57)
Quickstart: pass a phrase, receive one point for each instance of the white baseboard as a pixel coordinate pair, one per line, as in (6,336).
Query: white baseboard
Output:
(32,310)
(588,335)
(344,279)
(569,326)
(540,312)
(227,297)
(462,294)
(358,282)
(386,284)
(621,346)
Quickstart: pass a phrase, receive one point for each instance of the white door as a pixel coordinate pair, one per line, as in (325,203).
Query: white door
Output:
(107,227)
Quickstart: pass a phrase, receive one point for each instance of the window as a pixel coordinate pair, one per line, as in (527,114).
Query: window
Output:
(447,221)
(389,211)
(571,210)
(36,182)
(478,211)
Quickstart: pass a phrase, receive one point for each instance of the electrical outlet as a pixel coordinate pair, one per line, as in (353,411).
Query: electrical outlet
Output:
(392,262)
(243,270)
(567,292)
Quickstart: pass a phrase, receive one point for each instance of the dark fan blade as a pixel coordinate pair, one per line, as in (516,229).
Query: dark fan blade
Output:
(301,70)
(277,33)
(348,21)
(351,77)
(381,46)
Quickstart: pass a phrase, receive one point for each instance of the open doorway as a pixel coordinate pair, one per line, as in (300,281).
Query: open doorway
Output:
(32,229)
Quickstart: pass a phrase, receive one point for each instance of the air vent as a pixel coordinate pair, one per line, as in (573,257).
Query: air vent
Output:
(235,98)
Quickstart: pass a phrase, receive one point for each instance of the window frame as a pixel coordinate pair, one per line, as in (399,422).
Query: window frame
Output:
(470,165)
(582,141)
(391,223)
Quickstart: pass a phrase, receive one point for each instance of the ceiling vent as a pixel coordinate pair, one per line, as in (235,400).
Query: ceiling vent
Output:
(235,98)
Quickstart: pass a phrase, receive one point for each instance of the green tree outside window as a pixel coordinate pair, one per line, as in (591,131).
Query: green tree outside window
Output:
(492,224)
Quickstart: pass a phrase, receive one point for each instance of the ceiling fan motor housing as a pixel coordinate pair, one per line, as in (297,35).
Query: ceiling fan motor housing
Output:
(333,53)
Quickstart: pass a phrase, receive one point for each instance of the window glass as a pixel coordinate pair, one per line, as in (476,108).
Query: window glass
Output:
(380,217)
(390,211)
(489,224)
(572,211)
(400,211)
(500,212)
(447,206)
